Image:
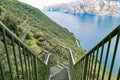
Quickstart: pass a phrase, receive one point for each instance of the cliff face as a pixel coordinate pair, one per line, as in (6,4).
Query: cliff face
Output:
(100,7)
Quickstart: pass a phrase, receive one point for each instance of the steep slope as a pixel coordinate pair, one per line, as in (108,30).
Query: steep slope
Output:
(44,34)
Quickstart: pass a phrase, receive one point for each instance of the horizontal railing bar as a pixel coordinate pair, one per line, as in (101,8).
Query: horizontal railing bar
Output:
(112,34)
(63,65)
(43,51)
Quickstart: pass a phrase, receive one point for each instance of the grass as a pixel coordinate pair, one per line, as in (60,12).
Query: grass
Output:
(52,32)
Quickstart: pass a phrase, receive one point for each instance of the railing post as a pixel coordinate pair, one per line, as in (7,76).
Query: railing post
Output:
(114,54)
(7,54)
(30,67)
(35,68)
(28,64)
(106,58)
(32,74)
(2,72)
(93,54)
(15,59)
(85,68)
(48,64)
(26,69)
(21,62)
(96,60)
(89,62)
(70,68)
(101,56)
(28,58)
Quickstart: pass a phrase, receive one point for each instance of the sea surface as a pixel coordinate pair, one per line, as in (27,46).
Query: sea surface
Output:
(89,29)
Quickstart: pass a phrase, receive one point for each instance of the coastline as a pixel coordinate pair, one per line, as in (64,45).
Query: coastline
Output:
(73,13)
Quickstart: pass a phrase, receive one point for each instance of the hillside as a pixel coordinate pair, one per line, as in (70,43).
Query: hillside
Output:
(44,33)
(99,7)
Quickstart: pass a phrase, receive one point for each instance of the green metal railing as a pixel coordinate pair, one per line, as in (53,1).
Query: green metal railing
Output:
(90,66)
(70,59)
(17,62)
(24,34)
(55,55)
(59,53)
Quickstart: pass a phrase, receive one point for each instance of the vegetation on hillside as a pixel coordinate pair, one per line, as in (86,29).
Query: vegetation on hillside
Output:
(44,34)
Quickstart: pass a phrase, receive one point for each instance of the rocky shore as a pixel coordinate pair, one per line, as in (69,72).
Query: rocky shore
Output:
(99,7)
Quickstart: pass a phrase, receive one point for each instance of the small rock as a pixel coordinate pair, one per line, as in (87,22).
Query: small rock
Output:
(41,39)
(36,36)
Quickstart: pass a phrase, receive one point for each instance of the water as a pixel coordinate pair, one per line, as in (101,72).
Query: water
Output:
(89,29)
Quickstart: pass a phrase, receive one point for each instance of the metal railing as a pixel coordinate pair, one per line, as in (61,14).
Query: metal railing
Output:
(91,66)
(70,61)
(24,34)
(17,62)
(55,53)
(60,54)
(44,56)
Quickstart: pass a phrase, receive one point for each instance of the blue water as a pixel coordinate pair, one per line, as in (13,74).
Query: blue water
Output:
(89,29)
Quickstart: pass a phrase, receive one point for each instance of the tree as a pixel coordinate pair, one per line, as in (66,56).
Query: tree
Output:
(11,22)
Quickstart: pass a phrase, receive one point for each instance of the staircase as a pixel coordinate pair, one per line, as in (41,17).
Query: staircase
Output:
(61,75)
(58,73)
(22,64)
(54,70)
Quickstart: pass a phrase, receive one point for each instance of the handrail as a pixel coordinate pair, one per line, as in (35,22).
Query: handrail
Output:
(103,41)
(71,54)
(48,57)
(24,34)
(71,59)
(27,65)
(67,48)
(70,51)
(16,39)
(90,60)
